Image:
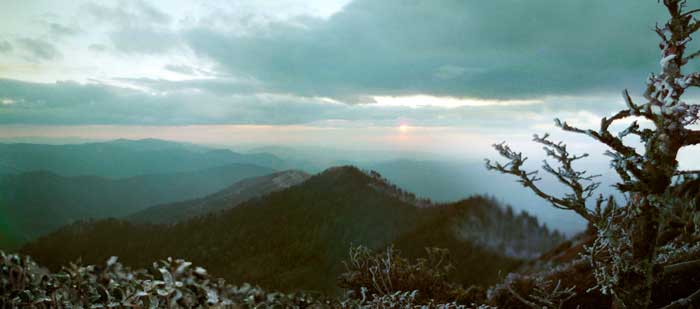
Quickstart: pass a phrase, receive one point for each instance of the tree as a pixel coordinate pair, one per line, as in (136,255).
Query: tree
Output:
(625,252)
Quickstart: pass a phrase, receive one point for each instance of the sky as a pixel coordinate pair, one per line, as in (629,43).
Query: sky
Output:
(448,77)
(501,65)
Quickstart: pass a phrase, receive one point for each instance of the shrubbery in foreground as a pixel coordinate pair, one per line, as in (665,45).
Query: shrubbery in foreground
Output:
(382,279)
(167,283)
(387,274)
(178,283)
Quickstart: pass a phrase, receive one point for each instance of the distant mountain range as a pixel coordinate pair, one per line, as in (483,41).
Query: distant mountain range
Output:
(122,158)
(230,197)
(446,181)
(296,238)
(46,186)
(440,180)
(35,203)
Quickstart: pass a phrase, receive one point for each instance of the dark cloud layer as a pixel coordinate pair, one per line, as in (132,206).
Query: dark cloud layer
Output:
(176,103)
(281,73)
(73,103)
(495,49)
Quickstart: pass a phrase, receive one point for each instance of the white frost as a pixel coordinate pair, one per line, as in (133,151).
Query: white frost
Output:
(666,59)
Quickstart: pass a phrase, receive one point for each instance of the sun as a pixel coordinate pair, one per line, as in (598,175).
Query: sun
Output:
(403,128)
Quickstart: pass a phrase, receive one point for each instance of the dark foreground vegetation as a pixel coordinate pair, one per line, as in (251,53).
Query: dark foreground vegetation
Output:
(470,254)
(473,253)
(562,278)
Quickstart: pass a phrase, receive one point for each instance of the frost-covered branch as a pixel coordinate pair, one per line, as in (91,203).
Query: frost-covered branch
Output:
(690,172)
(546,295)
(625,159)
(581,185)
(522,299)
(691,56)
(603,135)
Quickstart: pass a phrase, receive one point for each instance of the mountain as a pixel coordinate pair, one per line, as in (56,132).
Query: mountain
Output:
(122,158)
(230,197)
(446,181)
(296,238)
(35,203)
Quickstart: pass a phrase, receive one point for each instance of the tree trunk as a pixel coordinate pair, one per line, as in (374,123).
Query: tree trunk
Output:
(635,285)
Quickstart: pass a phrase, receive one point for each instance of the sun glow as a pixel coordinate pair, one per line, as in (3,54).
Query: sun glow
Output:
(403,128)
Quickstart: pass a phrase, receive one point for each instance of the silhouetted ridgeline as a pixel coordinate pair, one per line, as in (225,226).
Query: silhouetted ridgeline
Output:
(296,238)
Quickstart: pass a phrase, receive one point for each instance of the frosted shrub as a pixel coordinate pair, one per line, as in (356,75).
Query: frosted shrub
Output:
(386,276)
(170,283)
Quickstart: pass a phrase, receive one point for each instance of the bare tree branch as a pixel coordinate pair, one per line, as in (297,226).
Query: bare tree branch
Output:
(661,32)
(693,138)
(566,174)
(691,56)
(634,109)
(604,136)
(625,159)
(694,27)
(691,12)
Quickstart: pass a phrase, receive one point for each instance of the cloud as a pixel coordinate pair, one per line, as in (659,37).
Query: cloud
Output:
(98,48)
(135,26)
(487,49)
(74,103)
(181,69)
(127,13)
(216,86)
(212,102)
(39,50)
(568,56)
(151,13)
(143,40)
(5,47)
(60,30)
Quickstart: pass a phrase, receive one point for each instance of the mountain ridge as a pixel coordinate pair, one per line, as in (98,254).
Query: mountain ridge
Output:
(122,158)
(35,203)
(228,197)
(295,238)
